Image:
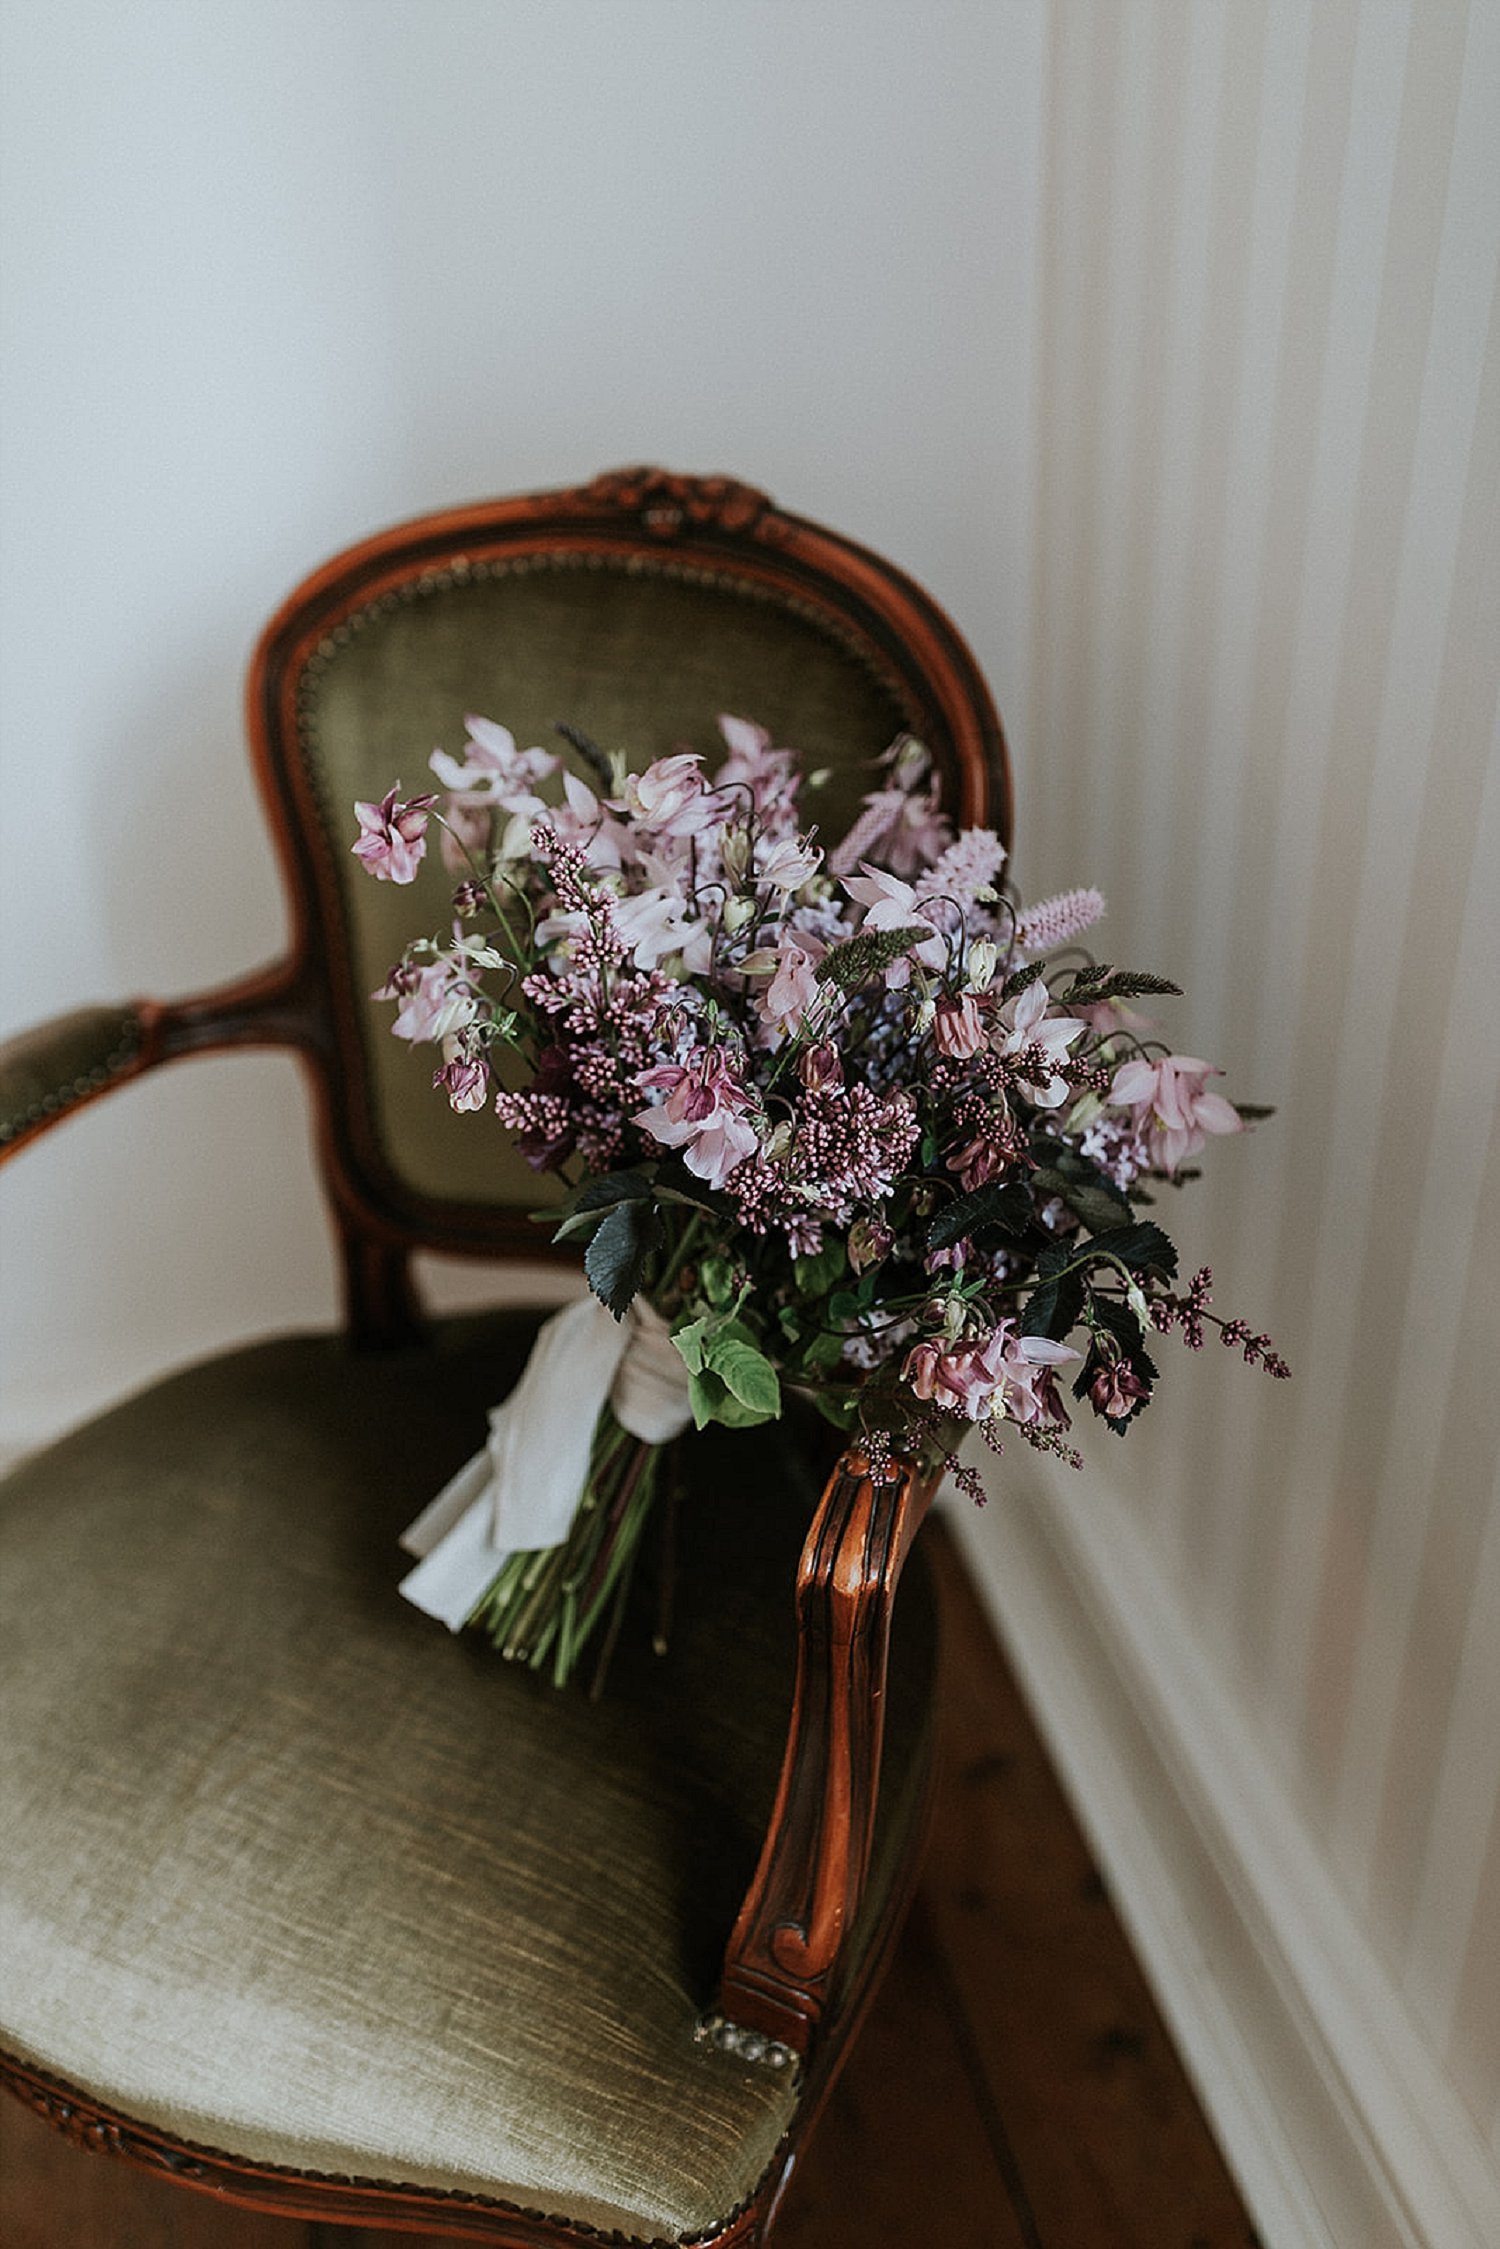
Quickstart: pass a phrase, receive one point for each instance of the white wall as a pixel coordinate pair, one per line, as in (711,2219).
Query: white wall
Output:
(280,271)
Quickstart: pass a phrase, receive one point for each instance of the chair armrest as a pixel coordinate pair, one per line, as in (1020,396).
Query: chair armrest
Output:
(55,1067)
(780,1964)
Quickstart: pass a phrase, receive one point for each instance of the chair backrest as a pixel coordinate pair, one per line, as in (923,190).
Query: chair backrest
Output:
(637,608)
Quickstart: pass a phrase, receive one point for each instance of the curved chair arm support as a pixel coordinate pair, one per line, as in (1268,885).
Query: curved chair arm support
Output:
(56,1067)
(782,1956)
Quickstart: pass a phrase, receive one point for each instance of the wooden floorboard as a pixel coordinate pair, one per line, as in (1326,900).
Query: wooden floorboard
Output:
(1013,2088)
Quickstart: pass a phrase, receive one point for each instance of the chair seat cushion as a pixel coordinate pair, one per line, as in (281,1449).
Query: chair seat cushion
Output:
(292,1873)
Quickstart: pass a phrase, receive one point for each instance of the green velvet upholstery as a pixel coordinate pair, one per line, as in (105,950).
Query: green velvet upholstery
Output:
(48,1070)
(642,657)
(290,1872)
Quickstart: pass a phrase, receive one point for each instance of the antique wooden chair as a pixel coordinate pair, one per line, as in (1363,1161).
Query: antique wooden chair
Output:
(303,1902)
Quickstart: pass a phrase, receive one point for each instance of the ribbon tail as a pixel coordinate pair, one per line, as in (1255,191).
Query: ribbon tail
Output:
(461,1566)
(455,1499)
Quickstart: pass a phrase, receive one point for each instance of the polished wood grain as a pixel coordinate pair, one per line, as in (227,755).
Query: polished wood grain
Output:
(1013,2088)
(806,1891)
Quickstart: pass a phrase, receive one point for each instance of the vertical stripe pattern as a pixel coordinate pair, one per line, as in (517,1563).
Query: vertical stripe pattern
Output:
(1264,692)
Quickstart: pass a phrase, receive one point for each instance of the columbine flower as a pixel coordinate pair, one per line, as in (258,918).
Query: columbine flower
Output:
(704,1114)
(1025,1025)
(464,1076)
(770,775)
(890,903)
(788,864)
(394,836)
(1117,1391)
(958,1027)
(437,1000)
(1005,1374)
(494,771)
(671,797)
(1172,1107)
(792,989)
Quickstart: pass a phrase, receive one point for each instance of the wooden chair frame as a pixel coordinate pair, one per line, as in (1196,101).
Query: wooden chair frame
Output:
(781,1974)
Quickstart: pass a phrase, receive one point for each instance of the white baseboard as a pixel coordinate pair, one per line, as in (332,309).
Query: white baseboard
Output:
(1338,2120)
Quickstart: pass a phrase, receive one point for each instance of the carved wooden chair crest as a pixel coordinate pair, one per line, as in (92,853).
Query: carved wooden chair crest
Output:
(303,1902)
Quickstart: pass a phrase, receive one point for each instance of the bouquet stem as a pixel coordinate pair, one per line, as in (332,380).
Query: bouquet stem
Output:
(548,1604)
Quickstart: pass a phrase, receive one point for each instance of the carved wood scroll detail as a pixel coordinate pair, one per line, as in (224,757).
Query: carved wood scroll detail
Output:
(782,1958)
(667,504)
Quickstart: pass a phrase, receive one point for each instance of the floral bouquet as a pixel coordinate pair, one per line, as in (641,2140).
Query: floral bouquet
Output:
(849,1122)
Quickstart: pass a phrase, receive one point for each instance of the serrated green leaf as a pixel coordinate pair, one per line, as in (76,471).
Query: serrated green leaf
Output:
(615,1260)
(1099,1205)
(1142,1248)
(613,1187)
(869,954)
(1054,1307)
(1006,1207)
(746,1373)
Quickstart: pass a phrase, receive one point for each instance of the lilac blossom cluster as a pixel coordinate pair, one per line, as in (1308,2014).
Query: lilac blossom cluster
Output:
(854,1115)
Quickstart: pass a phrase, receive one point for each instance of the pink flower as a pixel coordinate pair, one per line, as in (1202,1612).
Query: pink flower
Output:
(1026,1026)
(394,836)
(437,1000)
(464,1077)
(770,775)
(671,797)
(1056,921)
(890,903)
(1005,1374)
(655,923)
(787,865)
(704,1114)
(582,820)
(897,825)
(1171,1106)
(494,770)
(958,1028)
(792,989)
(467,835)
(1117,1390)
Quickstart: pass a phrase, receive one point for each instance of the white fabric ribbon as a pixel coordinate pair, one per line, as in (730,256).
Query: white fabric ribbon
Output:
(522,1491)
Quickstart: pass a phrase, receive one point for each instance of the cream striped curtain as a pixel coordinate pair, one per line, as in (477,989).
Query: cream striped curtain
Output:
(1262,716)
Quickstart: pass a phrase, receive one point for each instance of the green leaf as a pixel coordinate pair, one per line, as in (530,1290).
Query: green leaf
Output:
(615,1260)
(836,1406)
(584,1206)
(614,1187)
(706,1394)
(815,1275)
(1100,1205)
(823,1351)
(687,1342)
(1007,1207)
(1116,984)
(716,1278)
(746,1373)
(711,1400)
(1252,1112)
(1053,1309)
(1019,979)
(869,954)
(1142,1249)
